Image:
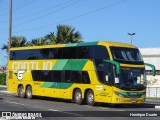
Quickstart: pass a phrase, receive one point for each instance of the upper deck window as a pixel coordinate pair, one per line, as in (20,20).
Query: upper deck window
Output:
(77,52)
(100,52)
(126,55)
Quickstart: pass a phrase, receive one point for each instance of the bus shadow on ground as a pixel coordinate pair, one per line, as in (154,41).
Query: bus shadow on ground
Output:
(50,99)
(145,105)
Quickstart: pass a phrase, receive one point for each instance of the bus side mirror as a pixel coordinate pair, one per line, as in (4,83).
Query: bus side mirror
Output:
(153,68)
(117,64)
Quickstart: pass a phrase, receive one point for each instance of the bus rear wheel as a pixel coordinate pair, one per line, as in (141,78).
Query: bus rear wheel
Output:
(78,97)
(29,92)
(90,98)
(21,92)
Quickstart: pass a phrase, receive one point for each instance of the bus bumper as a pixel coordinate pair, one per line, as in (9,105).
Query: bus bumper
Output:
(119,100)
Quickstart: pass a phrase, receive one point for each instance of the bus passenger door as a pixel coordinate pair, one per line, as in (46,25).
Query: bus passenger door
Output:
(106,93)
(108,80)
(105,77)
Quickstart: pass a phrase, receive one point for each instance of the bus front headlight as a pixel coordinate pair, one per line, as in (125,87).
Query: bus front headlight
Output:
(118,94)
(143,96)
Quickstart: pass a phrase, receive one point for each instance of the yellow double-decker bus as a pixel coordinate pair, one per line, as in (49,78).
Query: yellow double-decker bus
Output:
(106,72)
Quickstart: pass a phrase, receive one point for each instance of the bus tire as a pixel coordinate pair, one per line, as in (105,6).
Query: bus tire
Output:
(21,92)
(29,92)
(78,97)
(90,98)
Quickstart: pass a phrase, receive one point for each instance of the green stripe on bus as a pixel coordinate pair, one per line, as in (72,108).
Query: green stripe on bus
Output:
(71,45)
(59,65)
(82,44)
(70,64)
(130,94)
(61,85)
(56,85)
(47,84)
(75,64)
(87,44)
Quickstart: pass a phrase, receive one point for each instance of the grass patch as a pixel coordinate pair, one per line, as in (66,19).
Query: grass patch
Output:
(3,79)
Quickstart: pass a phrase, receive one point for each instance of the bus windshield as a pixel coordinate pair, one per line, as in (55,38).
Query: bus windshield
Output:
(131,79)
(126,55)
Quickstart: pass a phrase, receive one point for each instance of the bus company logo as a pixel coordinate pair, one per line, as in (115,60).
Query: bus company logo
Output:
(99,87)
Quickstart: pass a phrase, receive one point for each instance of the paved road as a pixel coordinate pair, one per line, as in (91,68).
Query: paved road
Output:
(69,110)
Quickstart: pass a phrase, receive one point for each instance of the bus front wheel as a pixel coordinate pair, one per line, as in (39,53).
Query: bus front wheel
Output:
(29,92)
(21,92)
(78,97)
(90,98)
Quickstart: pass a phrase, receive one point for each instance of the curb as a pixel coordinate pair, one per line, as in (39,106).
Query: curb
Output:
(153,102)
(2,118)
(157,107)
(157,104)
(4,91)
(4,86)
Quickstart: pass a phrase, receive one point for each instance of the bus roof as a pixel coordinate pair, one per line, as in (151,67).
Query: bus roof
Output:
(105,43)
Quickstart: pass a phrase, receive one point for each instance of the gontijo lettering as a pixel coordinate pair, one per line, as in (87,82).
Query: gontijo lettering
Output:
(31,66)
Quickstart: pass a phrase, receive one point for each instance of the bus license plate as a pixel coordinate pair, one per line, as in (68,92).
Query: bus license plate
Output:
(133,101)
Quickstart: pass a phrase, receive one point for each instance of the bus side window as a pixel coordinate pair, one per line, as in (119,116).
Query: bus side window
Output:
(100,52)
(69,53)
(67,77)
(36,75)
(76,76)
(85,78)
(31,54)
(12,55)
(44,53)
(58,53)
(56,76)
(51,54)
(46,75)
(84,52)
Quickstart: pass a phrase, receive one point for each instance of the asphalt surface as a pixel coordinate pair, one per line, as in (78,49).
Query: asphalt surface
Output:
(52,109)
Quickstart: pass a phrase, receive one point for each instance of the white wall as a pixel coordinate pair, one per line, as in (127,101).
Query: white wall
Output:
(152,56)
(153,81)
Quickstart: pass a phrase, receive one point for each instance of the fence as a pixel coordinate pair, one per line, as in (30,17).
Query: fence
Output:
(153,92)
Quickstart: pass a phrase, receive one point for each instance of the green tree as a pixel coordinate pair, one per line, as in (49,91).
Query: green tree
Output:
(37,42)
(2,78)
(65,34)
(16,41)
(51,38)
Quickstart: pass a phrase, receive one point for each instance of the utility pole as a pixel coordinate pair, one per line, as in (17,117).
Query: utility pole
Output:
(10,26)
(131,34)
(9,37)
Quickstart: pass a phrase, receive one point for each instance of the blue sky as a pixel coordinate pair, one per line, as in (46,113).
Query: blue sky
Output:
(108,20)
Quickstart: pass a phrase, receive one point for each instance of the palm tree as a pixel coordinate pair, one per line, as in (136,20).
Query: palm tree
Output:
(37,42)
(65,34)
(51,38)
(16,41)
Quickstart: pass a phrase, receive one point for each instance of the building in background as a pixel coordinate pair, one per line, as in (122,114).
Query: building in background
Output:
(152,56)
